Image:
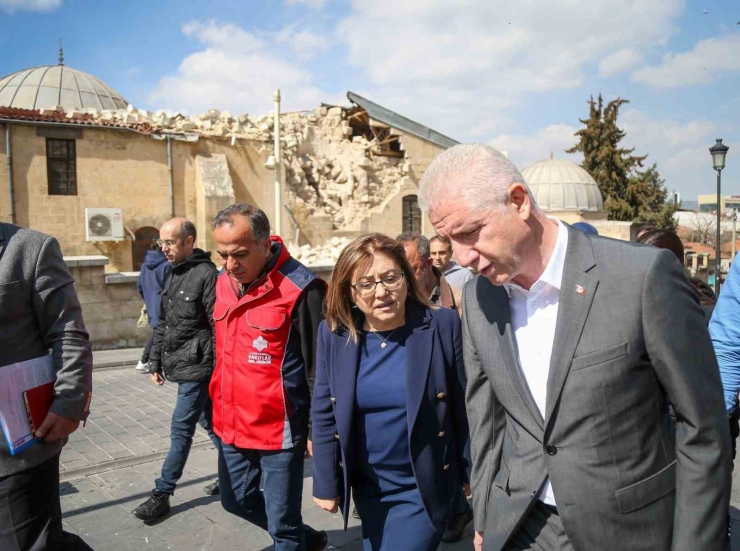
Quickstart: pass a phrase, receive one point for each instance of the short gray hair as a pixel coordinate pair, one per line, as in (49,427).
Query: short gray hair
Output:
(257,218)
(421,242)
(478,172)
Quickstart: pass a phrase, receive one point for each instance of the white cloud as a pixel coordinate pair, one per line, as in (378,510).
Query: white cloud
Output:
(524,150)
(237,71)
(619,62)
(700,65)
(647,133)
(305,44)
(488,55)
(29,5)
(315,4)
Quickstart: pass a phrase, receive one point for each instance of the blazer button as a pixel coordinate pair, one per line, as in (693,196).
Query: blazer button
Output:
(551,450)
(441,433)
(333,400)
(446,467)
(341,464)
(336,437)
(440,395)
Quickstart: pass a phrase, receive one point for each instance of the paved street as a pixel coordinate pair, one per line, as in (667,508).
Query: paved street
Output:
(109,468)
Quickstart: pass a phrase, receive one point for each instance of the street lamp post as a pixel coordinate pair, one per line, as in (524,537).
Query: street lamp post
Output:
(719,154)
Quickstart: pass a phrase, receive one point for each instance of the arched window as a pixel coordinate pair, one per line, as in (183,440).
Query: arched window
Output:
(146,239)
(411,214)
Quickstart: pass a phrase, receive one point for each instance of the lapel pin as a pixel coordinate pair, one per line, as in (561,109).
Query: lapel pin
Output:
(580,290)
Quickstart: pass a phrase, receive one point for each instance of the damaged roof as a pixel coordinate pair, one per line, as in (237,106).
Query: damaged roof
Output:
(13,114)
(380,113)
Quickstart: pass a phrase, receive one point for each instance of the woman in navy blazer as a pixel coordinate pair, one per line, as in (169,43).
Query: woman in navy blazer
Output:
(388,410)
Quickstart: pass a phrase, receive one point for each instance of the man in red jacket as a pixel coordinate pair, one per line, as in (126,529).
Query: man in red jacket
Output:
(267,313)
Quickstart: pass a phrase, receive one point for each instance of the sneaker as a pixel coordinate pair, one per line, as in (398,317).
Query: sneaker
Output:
(143,367)
(317,541)
(456,525)
(355,514)
(157,506)
(212,489)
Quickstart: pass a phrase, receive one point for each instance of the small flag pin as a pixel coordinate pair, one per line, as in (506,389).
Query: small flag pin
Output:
(580,290)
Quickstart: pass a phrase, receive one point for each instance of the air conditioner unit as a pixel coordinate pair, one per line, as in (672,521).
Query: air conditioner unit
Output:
(104,224)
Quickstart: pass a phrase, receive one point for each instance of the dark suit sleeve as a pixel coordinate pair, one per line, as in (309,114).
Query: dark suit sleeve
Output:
(681,353)
(485,418)
(457,381)
(326,481)
(59,317)
(307,316)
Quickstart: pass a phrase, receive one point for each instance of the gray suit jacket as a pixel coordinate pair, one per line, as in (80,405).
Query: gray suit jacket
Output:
(39,311)
(623,478)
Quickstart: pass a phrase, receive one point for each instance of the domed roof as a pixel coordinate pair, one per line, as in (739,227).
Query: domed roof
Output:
(57,85)
(562,186)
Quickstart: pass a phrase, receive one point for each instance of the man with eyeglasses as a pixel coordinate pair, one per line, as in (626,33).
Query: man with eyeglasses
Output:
(433,284)
(182,352)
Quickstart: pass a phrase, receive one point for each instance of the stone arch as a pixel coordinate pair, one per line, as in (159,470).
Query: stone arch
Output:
(146,239)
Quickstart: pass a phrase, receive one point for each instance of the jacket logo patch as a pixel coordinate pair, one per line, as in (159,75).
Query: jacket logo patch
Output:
(259,343)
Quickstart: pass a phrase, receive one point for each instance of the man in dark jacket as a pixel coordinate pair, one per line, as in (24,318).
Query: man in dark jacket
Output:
(151,279)
(183,353)
(39,314)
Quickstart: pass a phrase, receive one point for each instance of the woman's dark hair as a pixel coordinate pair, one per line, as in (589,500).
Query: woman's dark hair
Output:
(664,239)
(355,259)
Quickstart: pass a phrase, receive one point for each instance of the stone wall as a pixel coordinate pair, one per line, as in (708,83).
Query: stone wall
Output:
(110,310)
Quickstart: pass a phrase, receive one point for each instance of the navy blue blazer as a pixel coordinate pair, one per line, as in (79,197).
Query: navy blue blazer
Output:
(438,427)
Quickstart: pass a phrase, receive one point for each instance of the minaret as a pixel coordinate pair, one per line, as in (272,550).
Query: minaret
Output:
(61,53)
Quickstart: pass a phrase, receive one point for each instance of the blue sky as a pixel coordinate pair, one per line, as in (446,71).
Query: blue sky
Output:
(516,75)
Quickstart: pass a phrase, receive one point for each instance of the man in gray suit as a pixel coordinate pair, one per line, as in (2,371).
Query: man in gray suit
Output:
(574,346)
(40,313)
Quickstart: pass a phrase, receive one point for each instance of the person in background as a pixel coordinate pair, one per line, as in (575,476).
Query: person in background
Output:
(153,272)
(39,313)
(461,514)
(441,252)
(666,239)
(724,328)
(586,228)
(267,315)
(182,353)
(432,284)
(573,353)
(388,409)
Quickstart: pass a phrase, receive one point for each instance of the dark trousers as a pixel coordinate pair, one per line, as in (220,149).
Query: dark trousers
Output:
(148,347)
(459,503)
(193,406)
(278,508)
(30,512)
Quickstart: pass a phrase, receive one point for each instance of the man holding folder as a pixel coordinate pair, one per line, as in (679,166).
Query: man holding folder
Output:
(40,313)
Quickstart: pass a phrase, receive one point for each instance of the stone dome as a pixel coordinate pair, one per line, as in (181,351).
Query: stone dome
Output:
(50,86)
(562,186)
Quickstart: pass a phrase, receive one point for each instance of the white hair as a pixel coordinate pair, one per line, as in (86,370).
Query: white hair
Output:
(478,173)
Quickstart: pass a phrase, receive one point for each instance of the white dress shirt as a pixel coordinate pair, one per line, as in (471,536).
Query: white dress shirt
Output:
(534,315)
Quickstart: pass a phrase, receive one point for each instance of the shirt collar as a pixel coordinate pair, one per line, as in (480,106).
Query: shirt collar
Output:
(553,274)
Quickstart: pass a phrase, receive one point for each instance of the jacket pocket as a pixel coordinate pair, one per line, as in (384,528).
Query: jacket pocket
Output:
(265,319)
(188,304)
(502,478)
(220,311)
(648,490)
(599,357)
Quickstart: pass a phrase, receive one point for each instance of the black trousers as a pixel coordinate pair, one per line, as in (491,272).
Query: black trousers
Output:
(148,347)
(30,512)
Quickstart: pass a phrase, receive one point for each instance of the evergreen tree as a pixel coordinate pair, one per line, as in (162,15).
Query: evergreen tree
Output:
(629,193)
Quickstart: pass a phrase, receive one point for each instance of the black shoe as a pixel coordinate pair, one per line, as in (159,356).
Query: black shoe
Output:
(212,489)
(355,514)
(317,541)
(157,506)
(456,525)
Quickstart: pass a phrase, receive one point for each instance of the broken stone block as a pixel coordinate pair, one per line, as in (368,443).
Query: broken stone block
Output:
(335,112)
(188,126)
(347,131)
(264,127)
(243,119)
(225,116)
(106,115)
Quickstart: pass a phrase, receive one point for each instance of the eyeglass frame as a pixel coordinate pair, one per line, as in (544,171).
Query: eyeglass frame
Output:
(401,277)
(169,242)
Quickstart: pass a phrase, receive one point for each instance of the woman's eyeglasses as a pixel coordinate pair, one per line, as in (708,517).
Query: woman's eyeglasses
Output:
(391,282)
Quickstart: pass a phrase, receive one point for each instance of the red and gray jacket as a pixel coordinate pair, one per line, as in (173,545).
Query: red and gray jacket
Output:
(265,354)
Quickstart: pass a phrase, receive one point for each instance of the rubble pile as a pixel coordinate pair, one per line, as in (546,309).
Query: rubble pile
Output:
(328,170)
(324,254)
